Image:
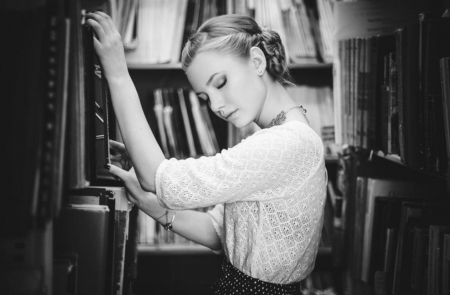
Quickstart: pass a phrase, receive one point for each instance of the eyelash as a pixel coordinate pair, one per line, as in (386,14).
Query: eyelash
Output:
(223,84)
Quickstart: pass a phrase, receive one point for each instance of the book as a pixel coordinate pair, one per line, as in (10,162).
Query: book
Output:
(358,234)
(393,188)
(186,123)
(446,265)
(101,122)
(419,268)
(83,230)
(77,132)
(433,47)
(435,258)
(158,110)
(422,213)
(384,240)
(445,87)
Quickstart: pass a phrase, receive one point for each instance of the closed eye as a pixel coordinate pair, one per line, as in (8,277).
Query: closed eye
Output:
(224,82)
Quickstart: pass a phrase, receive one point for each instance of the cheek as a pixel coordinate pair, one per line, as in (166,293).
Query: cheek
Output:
(248,91)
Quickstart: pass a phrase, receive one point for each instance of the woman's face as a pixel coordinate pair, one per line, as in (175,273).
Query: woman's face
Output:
(231,86)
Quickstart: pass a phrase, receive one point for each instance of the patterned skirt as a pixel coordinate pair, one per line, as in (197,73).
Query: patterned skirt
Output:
(232,281)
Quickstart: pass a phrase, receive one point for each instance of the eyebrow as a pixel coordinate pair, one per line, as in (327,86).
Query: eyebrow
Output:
(208,82)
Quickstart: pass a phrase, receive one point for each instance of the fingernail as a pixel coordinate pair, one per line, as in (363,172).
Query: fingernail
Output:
(107,166)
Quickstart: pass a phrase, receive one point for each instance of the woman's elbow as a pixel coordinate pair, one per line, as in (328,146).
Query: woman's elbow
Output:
(147,186)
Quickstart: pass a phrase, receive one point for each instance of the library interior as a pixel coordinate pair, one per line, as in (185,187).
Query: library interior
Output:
(372,75)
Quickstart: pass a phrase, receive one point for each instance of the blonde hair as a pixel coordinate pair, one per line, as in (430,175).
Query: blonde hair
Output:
(237,34)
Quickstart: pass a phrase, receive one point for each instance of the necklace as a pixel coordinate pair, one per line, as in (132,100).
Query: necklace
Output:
(281,117)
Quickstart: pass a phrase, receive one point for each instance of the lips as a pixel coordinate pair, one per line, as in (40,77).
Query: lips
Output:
(230,114)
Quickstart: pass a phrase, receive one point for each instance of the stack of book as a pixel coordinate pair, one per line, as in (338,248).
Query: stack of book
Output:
(389,226)
(305,27)
(182,123)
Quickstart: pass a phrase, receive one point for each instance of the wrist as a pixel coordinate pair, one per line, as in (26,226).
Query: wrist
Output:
(119,79)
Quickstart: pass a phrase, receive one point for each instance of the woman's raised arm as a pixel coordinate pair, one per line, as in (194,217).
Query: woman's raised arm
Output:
(141,144)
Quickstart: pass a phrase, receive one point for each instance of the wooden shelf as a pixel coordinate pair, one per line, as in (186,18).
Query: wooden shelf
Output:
(177,66)
(149,66)
(173,249)
(194,249)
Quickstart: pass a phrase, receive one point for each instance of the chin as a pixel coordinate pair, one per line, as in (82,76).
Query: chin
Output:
(241,124)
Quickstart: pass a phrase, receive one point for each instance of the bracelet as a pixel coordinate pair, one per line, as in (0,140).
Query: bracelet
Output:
(168,224)
(162,215)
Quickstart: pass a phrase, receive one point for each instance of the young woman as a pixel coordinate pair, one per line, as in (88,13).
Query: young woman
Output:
(268,191)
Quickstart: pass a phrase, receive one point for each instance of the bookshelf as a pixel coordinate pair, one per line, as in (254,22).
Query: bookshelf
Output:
(392,171)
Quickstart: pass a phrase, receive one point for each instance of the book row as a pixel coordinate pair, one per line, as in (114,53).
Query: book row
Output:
(393,93)
(305,27)
(392,226)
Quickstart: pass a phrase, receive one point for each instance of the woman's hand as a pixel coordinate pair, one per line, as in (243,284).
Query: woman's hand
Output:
(122,158)
(108,45)
(135,193)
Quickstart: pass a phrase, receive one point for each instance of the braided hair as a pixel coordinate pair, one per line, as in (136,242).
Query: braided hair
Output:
(237,34)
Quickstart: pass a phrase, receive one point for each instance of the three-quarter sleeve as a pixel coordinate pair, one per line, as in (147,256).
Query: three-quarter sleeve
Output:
(271,163)
(217,220)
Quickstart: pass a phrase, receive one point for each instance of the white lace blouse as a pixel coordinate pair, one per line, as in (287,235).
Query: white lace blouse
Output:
(269,191)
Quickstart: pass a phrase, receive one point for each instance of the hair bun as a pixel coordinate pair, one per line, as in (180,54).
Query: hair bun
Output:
(270,43)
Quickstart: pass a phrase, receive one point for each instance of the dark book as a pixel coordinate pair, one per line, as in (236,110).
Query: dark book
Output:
(419,268)
(445,86)
(104,197)
(77,159)
(83,230)
(192,152)
(370,114)
(384,105)
(395,189)
(408,95)
(446,265)
(358,235)
(412,215)
(361,121)
(386,219)
(101,121)
(169,125)
(180,132)
(434,46)
(65,273)
(435,265)
(198,146)
(393,141)
(385,44)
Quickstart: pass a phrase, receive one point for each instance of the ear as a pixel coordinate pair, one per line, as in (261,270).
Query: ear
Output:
(258,59)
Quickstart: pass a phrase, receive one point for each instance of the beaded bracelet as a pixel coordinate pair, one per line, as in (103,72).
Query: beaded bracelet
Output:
(168,224)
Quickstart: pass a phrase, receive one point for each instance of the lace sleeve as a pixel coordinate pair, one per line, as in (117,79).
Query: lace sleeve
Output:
(216,215)
(271,163)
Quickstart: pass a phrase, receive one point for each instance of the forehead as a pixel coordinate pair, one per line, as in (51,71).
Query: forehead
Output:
(208,63)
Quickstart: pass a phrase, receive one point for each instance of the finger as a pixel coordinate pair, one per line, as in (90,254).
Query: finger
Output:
(116,171)
(109,20)
(117,146)
(116,158)
(98,29)
(101,20)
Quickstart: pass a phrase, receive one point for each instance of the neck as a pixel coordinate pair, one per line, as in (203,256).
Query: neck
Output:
(277,100)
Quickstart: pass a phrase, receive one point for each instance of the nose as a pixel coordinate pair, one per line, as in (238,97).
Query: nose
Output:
(216,103)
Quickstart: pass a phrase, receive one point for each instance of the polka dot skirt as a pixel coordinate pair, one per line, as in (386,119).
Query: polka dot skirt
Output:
(232,281)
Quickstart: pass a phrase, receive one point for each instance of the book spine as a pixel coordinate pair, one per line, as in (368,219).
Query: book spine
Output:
(446,265)
(433,243)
